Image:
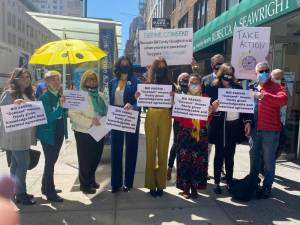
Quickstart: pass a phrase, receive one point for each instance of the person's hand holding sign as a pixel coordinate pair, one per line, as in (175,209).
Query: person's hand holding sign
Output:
(62,101)
(19,101)
(128,107)
(95,122)
(247,129)
(215,105)
(137,95)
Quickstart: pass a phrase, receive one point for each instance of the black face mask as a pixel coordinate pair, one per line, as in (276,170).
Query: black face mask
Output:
(125,69)
(161,73)
(184,86)
(217,66)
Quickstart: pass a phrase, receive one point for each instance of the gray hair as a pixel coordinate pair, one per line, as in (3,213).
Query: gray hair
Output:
(216,57)
(262,64)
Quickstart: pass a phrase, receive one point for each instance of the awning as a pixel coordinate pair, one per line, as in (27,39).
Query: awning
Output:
(249,13)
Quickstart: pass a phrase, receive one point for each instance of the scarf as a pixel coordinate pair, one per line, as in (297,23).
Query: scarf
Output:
(99,105)
(196,125)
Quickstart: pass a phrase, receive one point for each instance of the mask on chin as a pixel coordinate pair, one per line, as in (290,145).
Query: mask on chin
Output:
(276,81)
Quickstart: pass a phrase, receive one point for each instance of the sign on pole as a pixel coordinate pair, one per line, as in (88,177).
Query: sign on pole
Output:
(250,46)
(175,45)
(193,107)
(236,100)
(18,117)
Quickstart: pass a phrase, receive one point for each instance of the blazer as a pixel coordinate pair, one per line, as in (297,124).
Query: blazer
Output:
(46,132)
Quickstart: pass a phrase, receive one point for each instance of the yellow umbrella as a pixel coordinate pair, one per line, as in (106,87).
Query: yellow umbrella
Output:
(68,51)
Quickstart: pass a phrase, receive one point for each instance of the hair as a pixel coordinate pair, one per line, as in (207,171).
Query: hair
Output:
(261,64)
(225,68)
(216,57)
(154,69)
(195,75)
(52,73)
(15,89)
(87,74)
(117,71)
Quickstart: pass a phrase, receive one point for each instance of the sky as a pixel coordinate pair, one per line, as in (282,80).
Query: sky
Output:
(120,10)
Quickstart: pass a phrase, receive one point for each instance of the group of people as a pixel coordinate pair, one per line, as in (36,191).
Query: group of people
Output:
(193,139)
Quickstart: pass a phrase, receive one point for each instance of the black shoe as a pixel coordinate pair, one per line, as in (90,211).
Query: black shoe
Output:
(24,199)
(29,195)
(96,185)
(57,191)
(88,190)
(115,190)
(159,192)
(218,190)
(153,193)
(54,198)
(126,189)
(258,192)
(266,192)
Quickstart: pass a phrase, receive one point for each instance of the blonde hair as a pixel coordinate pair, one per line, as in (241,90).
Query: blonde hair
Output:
(52,73)
(87,74)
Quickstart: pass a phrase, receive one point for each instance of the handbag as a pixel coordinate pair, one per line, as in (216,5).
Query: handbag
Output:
(34,157)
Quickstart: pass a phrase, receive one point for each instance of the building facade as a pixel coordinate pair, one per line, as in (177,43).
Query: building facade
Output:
(61,7)
(154,9)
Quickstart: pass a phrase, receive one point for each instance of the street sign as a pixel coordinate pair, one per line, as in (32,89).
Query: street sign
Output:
(161,23)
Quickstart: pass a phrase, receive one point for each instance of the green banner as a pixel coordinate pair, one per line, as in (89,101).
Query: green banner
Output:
(249,13)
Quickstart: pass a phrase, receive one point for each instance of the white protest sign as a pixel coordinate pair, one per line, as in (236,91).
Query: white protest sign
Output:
(77,100)
(122,120)
(98,132)
(193,107)
(175,45)
(155,95)
(250,46)
(236,100)
(18,117)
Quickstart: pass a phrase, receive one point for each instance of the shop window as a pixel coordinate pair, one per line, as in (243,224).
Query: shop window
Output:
(183,22)
(200,14)
(224,5)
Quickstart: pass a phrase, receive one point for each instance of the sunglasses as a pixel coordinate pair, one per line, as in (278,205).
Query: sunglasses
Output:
(264,71)
(227,77)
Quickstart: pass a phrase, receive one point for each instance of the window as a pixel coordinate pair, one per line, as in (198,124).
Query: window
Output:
(173,5)
(19,25)
(9,19)
(183,22)
(223,5)
(200,14)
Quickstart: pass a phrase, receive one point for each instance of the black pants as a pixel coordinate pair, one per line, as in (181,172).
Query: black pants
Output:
(226,153)
(173,150)
(89,154)
(51,153)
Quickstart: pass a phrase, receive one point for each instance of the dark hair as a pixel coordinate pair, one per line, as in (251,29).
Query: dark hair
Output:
(14,87)
(118,66)
(154,69)
(225,68)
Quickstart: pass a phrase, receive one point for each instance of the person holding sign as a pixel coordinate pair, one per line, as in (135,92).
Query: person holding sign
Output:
(158,128)
(52,134)
(18,142)
(226,128)
(122,91)
(192,148)
(89,151)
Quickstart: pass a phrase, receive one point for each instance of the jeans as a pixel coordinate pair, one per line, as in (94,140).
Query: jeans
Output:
(263,145)
(18,169)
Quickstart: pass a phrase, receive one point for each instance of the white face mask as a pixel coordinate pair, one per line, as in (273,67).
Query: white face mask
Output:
(276,81)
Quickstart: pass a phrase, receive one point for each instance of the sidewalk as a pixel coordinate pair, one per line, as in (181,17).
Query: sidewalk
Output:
(137,207)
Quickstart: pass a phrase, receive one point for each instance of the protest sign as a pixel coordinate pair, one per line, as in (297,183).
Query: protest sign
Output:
(77,100)
(17,117)
(175,45)
(155,95)
(250,46)
(236,100)
(98,132)
(193,107)
(122,120)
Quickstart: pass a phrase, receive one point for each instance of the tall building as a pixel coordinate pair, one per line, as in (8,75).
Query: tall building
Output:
(153,9)
(61,7)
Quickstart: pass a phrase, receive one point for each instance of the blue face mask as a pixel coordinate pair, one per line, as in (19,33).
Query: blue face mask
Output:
(263,76)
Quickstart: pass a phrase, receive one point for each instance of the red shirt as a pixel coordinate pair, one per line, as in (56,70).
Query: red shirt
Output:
(275,97)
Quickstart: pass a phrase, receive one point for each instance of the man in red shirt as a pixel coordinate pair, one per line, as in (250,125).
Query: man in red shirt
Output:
(269,97)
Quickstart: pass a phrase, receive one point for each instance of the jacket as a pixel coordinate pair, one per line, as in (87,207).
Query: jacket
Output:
(129,92)
(267,110)
(206,82)
(19,140)
(46,132)
(216,129)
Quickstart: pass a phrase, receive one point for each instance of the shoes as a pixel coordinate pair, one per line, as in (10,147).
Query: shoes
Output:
(266,192)
(88,190)
(153,193)
(169,174)
(115,190)
(159,192)
(57,191)
(54,198)
(194,193)
(125,188)
(96,185)
(185,194)
(218,190)
(24,199)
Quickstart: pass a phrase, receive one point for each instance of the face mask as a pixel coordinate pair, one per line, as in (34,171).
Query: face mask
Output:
(124,69)
(124,76)
(195,88)
(92,89)
(263,77)
(184,86)
(217,66)
(276,81)
(161,73)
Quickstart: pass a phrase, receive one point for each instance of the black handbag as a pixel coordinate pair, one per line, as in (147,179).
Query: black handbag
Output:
(34,156)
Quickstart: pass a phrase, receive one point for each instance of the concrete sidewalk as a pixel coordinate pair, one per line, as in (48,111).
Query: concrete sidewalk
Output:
(137,207)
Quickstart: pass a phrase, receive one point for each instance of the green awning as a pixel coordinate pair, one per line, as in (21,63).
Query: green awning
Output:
(248,13)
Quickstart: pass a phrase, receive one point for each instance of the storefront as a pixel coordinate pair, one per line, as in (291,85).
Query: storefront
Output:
(283,16)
